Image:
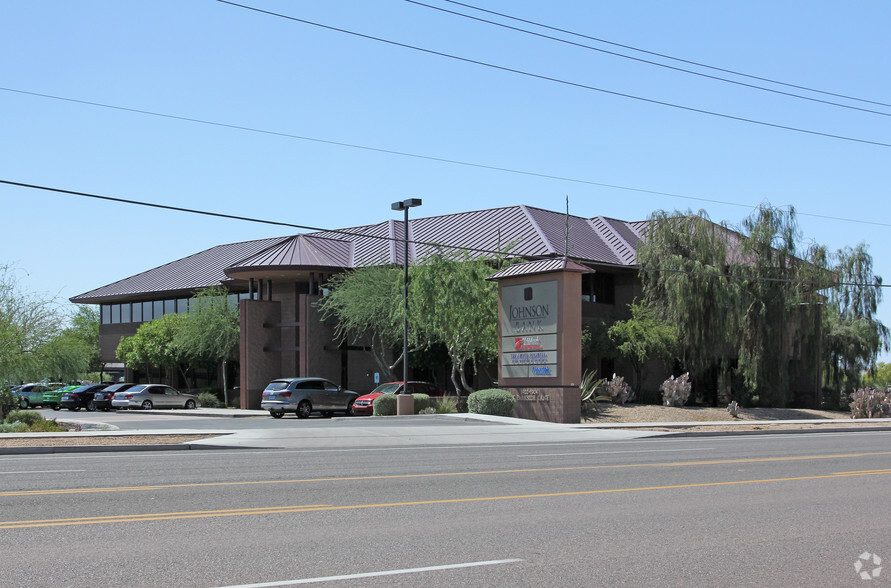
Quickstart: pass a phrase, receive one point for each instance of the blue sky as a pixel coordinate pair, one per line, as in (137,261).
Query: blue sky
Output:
(215,62)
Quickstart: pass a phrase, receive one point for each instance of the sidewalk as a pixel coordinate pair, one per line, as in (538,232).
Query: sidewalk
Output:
(400,431)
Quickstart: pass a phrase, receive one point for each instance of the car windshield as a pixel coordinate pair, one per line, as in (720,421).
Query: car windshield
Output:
(386,389)
(276,386)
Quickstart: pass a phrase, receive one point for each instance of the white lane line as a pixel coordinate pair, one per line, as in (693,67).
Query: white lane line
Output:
(608,452)
(377,574)
(43,472)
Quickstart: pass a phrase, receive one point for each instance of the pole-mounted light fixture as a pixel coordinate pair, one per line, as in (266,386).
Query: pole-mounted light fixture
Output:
(405,205)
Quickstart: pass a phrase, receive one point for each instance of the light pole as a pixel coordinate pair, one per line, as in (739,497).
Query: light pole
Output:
(405,403)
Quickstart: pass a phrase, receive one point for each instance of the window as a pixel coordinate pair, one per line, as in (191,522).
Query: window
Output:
(599,287)
(106,314)
(170,307)
(157,309)
(125,313)
(137,312)
(182,305)
(115,314)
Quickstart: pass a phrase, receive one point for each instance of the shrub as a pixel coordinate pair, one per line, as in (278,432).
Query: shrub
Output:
(209,400)
(47,426)
(619,391)
(493,401)
(588,393)
(733,408)
(422,402)
(384,405)
(445,405)
(29,417)
(16,427)
(676,391)
(869,403)
(8,402)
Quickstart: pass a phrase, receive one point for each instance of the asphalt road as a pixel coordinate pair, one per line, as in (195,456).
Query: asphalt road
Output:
(713,511)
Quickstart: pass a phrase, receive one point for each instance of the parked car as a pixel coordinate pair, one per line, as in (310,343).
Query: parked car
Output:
(31,395)
(148,396)
(303,396)
(52,398)
(364,404)
(81,397)
(102,399)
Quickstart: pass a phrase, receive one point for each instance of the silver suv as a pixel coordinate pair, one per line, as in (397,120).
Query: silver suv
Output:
(303,396)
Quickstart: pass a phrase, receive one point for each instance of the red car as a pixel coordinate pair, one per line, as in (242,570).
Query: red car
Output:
(363,404)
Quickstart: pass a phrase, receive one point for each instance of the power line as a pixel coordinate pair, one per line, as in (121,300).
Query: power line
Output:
(664,56)
(647,61)
(827,284)
(560,81)
(422,157)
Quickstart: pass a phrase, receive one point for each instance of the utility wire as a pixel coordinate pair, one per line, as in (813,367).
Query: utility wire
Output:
(826,284)
(558,80)
(664,56)
(647,61)
(423,157)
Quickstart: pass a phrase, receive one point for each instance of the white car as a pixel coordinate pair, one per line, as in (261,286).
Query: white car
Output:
(148,396)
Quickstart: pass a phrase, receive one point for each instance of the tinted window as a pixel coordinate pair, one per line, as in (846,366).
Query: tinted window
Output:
(146,311)
(106,314)
(157,309)
(125,313)
(115,314)
(137,312)
(311,385)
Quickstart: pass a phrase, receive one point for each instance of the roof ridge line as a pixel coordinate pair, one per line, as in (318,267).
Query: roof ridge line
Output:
(538,229)
(623,252)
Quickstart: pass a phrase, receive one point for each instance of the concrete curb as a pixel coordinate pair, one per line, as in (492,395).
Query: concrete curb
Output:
(44,450)
(707,433)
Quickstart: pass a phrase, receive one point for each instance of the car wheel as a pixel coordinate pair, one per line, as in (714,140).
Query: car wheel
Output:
(91,406)
(147,405)
(57,407)
(304,409)
(23,403)
(349,410)
(190,404)
(276,414)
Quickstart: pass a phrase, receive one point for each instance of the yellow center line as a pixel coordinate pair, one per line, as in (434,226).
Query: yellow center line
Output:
(316,508)
(436,475)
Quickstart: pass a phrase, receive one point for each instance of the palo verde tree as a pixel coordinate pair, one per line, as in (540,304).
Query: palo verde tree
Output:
(452,304)
(153,344)
(366,305)
(209,332)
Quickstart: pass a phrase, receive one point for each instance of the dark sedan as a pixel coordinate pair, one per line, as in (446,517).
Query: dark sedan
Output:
(81,397)
(102,399)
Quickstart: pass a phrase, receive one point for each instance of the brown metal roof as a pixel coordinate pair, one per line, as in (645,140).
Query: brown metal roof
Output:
(541,266)
(529,232)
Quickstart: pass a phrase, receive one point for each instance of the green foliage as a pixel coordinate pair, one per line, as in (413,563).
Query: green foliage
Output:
(8,402)
(16,427)
(367,302)
(879,377)
(422,402)
(153,344)
(384,405)
(33,340)
(493,401)
(47,426)
(445,405)
(588,389)
(209,332)
(453,304)
(209,400)
(868,403)
(642,337)
(676,391)
(29,417)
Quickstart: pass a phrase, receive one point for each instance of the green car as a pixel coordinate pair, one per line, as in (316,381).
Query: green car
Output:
(52,398)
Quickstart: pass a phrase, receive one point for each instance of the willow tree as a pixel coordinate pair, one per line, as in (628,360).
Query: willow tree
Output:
(777,289)
(853,335)
(683,262)
(738,298)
